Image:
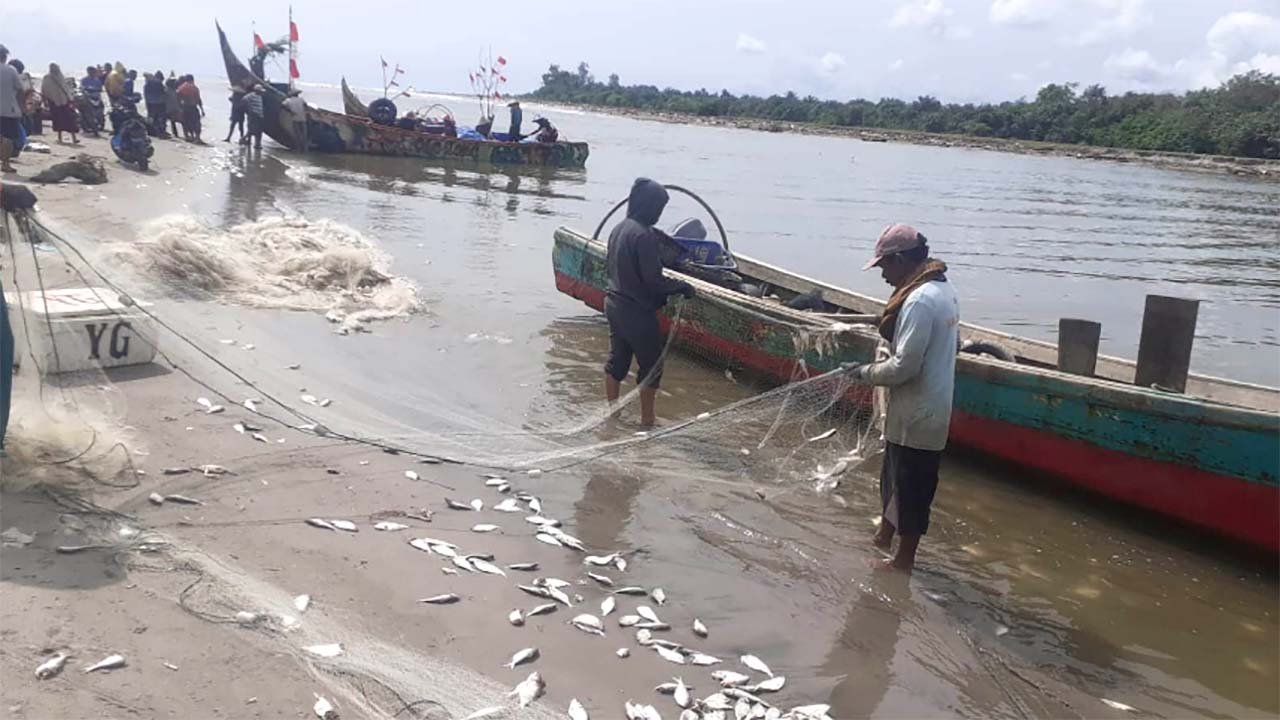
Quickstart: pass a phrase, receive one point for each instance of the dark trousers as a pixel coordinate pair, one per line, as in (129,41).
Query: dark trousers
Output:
(908,481)
(633,333)
(255,131)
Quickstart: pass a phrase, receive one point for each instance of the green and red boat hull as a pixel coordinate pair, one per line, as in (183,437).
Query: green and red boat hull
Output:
(1202,463)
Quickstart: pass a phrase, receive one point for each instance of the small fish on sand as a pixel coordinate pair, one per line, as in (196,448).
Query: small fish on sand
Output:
(245,617)
(607,605)
(183,500)
(477,504)
(699,629)
(485,566)
(548,539)
(644,637)
(542,521)
(602,579)
(462,563)
(212,470)
(445,599)
(620,563)
(1118,705)
(588,623)
(388,526)
(515,617)
(647,613)
(449,571)
(321,523)
(629,620)
(455,505)
(508,506)
(521,657)
(523,566)
(175,471)
(823,436)
(344,525)
(301,603)
(543,609)
(576,711)
(324,709)
(529,689)
(681,695)
(630,590)
(773,684)
(698,658)
(205,403)
(484,528)
(156,499)
(622,653)
(535,505)
(669,655)
(239,427)
(251,404)
(805,712)
(110,662)
(171,666)
(51,667)
(659,596)
(729,678)
(648,625)
(309,399)
(328,650)
(412,475)
(600,559)
(486,713)
(535,590)
(756,664)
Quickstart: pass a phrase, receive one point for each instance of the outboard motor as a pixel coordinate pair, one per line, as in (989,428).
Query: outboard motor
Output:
(690,252)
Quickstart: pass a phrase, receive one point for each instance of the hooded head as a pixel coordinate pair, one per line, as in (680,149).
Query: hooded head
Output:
(646,201)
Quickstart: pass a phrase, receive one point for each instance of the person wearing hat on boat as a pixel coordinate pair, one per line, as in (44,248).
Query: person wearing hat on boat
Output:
(547,132)
(921,324)
(517,116)
(637,288)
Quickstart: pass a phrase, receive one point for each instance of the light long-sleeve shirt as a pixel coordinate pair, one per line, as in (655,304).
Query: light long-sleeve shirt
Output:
(920,373)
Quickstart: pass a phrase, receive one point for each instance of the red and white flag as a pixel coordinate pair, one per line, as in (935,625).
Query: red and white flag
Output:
(502,78)
(502,60)
(258,44)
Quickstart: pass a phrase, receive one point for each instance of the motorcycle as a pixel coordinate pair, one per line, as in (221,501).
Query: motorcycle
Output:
(92,120)
(131,141)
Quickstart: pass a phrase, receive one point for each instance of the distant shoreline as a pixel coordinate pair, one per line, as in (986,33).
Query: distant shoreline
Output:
(1256,168)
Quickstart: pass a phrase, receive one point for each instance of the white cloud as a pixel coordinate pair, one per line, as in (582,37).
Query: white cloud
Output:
(1241,34)
(1021,12)
(896,65)
(830,63)
(921,13)
(1124,18)
(1018,77)
(750,45)
(1136,67)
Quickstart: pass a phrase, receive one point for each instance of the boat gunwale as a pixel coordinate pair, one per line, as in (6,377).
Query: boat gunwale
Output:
(1094,389)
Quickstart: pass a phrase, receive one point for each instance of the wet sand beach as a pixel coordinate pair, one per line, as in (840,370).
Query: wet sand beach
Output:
(1031,600)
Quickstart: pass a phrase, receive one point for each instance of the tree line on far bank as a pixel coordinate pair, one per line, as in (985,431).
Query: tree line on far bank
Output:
(1239,118)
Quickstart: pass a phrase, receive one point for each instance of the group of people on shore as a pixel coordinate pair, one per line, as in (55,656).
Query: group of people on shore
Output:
(247,108)
(74,106)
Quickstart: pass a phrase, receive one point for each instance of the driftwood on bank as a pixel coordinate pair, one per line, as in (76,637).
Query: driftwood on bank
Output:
(85,168)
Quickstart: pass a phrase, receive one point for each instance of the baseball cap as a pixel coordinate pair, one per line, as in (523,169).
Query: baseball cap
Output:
(894,239)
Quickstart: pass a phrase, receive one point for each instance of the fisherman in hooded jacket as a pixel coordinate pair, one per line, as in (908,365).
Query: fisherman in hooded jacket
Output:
(637,288)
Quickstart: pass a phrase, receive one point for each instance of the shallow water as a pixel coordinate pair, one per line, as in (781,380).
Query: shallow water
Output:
(1112,604)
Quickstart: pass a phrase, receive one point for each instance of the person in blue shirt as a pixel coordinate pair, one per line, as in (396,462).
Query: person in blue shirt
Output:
(517,116)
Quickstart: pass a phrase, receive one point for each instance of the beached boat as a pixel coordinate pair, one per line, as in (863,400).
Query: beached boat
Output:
(333,132)
(1208,457)
(351,104)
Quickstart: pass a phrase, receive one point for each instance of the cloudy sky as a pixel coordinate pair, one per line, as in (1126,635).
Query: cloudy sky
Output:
(958,50)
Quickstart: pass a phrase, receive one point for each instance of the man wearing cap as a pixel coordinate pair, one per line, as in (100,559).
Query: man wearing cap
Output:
(921,324)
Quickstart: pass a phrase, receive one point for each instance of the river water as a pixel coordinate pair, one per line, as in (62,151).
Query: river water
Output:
(1105,602)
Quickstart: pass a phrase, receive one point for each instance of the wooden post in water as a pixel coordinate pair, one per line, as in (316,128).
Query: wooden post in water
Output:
(1164,351)
(1078,346)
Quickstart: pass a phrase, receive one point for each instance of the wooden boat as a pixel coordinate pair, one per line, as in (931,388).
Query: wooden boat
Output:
(333,132)
(1208,457)
(351,104)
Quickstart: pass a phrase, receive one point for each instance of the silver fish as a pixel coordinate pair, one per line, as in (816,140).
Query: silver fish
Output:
(326,402)
(156,498)
(455,505)
(559,596)
(320,523)
(543,609)
(699,629)
(483,527)
(669,645)
(535,505)
(568,540)
(644,637)
(175,471)
(214,410)
(528,654)
(302,602)
(607,605)
(773,684)
(388,526)
(445,599)
(486,713)
(535,590)
(622,653)
(773,713)
(325,651)
(412,475)
(548,539)
(444,550)
(698,658)
(238,427)
(515,617)
(810,711)
(51,667)
(524,566)
(756,664)
(324,709)
(251,405)
(823,436)
(508,506)
(729,678)
(659,596)
(688,714)
(523,496)
(208,470)
(602,579)
(541,521)
(504,487)
(183,500)
(344,525)
(421,544)
(1117,705)
(654,625)
(576,711)
(487,557)
(669,655)
(630,590)
(462,563)
(717,701)
(629,620)
(600,559)
(739,694)
(309,399)
(449,571)
(110,662)
(477,504)
(681,695)
(588,623)
(741,710)
(485,566)
(647,613)
(205,403)
(620,563)
(529,689)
